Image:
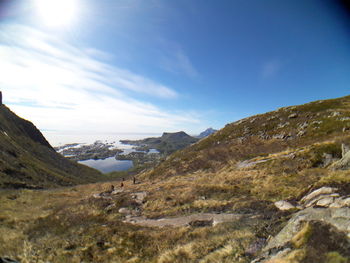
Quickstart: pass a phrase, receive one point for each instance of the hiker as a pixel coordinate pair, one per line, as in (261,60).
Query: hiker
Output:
(121,184)
(134,180)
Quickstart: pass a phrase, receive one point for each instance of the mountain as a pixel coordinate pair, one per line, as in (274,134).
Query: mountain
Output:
(274,187)
(27,160)
(206,133)
(285,129)
(167,143)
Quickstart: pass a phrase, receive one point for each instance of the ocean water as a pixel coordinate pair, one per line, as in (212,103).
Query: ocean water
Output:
(108,165)
(59,139)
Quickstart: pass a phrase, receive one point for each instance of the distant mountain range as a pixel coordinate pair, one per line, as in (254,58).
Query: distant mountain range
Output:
(27,160)
(206,133)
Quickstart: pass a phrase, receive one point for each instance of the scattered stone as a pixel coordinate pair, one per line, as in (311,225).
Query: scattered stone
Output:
(110,207)
(124,210)
(321,191)
(344,119)
(344,149)
(282,125)
(139,197)
(335,114)
(255,247)
(325,202)
(118,191)
(345,129)
(292,116)
(279,136)
(301,133)
(201,223)
(316,122)
(284,205)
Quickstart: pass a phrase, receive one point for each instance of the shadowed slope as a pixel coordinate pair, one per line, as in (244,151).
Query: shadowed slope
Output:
(27,160)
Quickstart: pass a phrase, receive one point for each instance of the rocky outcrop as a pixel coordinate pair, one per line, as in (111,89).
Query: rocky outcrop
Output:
(343,163)
(312,228)
(323,221)
(322,197)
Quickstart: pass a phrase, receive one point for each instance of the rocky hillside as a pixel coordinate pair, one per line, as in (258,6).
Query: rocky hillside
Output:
(27,160)
(272,188)
(260,135)
(167,143)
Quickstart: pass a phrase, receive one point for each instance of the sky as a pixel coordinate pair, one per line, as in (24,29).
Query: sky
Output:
(137,67)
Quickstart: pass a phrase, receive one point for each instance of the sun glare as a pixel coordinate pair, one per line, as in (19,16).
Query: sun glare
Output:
(56,13)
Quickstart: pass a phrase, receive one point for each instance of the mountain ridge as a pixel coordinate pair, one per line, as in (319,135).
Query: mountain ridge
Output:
(27,160)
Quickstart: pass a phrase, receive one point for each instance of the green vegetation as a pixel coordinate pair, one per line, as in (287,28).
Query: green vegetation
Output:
(28,161)
(242,169)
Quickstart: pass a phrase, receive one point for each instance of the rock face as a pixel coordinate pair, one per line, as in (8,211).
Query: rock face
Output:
(324,222)
(343,163)
(327,225)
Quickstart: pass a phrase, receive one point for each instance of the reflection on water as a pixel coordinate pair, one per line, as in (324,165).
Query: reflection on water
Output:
(108,165)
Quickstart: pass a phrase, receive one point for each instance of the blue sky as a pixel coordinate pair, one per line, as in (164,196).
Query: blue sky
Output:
(160,65)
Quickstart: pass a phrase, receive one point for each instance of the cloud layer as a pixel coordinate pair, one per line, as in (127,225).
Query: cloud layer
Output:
(64,88)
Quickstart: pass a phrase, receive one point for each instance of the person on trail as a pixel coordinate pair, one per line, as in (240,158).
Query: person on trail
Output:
(134,180)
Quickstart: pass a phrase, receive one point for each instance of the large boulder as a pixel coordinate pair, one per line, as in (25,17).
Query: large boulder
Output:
(311,234)
(343,163)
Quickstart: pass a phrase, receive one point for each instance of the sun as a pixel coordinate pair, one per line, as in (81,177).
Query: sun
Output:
(57,13)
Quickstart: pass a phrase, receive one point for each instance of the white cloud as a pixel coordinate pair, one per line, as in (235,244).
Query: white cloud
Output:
(63,88)
(175,60)
(271,68)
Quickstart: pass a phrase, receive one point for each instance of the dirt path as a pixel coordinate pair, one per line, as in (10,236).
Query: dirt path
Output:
(205,219)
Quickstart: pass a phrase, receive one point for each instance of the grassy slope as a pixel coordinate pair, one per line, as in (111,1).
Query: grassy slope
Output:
(28,160)
(72,226)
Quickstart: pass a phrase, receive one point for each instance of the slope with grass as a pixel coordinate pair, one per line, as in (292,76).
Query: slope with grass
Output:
(241,170)
(27,160)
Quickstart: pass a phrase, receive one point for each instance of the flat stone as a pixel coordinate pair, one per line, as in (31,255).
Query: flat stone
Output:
(321,191)
(325,202)
(318,198)
(284,205)
(124,210)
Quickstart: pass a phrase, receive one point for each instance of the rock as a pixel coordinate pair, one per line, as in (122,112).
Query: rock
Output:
(110,207)
(279,136)
(124,210)
(340,202)
(255,247)
(284,205)
(292,116)
(344,119)
(139,197)
(325,202)
(344,149)
(313,201)
(321,191)
(301,133)
(343,163)
(337,217)
(201,223)
(115,192)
